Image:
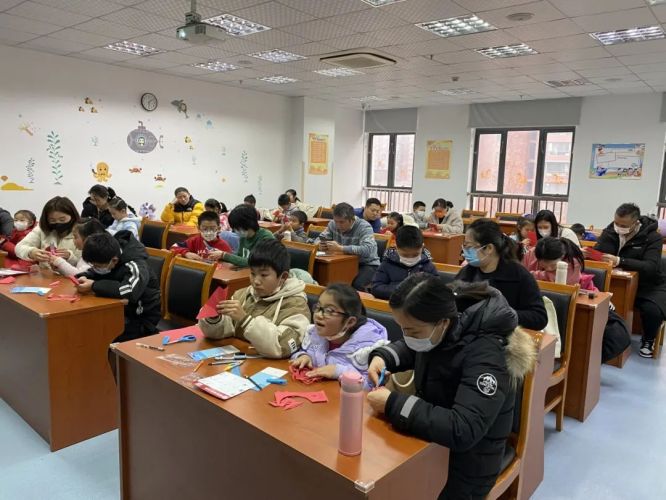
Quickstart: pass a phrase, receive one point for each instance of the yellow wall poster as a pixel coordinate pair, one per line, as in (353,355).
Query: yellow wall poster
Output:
(438,159)
(318,156)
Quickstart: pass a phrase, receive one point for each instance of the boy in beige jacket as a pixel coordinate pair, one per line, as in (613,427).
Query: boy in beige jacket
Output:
(272,313)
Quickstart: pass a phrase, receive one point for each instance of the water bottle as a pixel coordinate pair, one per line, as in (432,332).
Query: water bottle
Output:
(287,236)
(351,414)
(561,274)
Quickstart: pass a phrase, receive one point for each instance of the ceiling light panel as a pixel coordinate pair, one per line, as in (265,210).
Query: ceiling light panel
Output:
(641,34)
(504,51)
(218,66)
(236,26)
(457,26)
(568,83)
(277,56)
(457,92)
(278,79)
(655,2)
(339,72)
(379,3)
(369,98)
(133,48)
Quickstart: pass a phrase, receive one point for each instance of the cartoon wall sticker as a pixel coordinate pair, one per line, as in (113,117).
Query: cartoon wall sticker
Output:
(198,117)
(94,110)
(260,184)
(81,109)
(224,151)
(182,107)
(101,172)
(27,128)
(11,186)
(148,210)
(30,170)
(88,100)
(161,141)
(95,140)
(243,166)
(194,161)
(160,178)
(53,150)
(142,140)
(135,170)
(209,124)
(223,180)
(187,140)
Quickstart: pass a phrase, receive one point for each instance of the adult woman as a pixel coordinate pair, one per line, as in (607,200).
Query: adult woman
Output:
(183,209)
(310,210)
(465,372)
(54,235)
(96,205)
(492,256)
(547,225)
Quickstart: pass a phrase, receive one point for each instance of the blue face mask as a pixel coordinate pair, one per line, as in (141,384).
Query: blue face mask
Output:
(472,256)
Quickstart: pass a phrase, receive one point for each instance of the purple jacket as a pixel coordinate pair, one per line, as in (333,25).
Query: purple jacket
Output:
(352,355)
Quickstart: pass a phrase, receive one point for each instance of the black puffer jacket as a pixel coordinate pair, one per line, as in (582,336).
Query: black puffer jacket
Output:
(392,272)
(642,253)
(131,279)
(465,391)
(6,223)
(91,210)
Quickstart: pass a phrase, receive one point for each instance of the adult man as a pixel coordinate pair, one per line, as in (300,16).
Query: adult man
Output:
(633,243)
(371,214)
(348,234)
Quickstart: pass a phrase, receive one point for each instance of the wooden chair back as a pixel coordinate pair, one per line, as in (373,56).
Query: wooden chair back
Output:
(602,272)
(302,255)
(508,216)
(154,233)
(473,214)
(447,272)
(315,231)
(187,289)
(160,262)
(383,242)
(325,213)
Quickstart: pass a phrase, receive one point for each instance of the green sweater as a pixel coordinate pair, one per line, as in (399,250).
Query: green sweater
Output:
(246,245)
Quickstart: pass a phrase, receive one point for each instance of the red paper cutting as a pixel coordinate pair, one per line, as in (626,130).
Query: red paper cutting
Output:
(593,254)
(300,374)
(181,332)
(9,280)
(531,235)
(208,310)
(55,283)
(285,399)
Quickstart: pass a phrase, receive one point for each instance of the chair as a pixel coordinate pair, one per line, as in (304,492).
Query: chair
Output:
(516,446)
(160,262)
(564,299)
(153,233)
(471,214)
(602,273)
(447,272)
(383,242)
(325,213)
(508,216)
(187,290)
(302,255)
(315,231)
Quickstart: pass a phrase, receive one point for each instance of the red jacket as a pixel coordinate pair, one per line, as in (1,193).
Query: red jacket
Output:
(197,245)
(9,246)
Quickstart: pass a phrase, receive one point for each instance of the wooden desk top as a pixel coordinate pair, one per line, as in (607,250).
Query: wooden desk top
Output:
(585,301)
(318,221)
(624,275)
(188,230)
(443,236)
(335,258)
(311,429)
(44,308)
(271,226)
(226,275)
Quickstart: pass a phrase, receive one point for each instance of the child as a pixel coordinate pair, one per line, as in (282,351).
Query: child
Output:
(123,218)
(272,313)
(445,218)
(542,261)
(296,226)
(341,337)
(394,221)
(206,245)
(81,232)
(251,201)
(24,222)
(244,223)
(419,214)
(524,225)
(212,205)
(119,270)
(582,234)
(409,257)
(286,208)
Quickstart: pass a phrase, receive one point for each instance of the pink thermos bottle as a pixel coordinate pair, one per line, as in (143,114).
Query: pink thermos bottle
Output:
(351,414)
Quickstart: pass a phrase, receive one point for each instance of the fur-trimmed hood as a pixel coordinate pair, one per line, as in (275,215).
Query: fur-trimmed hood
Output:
(521,355)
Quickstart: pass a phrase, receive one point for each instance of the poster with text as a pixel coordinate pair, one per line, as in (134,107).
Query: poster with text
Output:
(617,161)
(318,156)
(438,159)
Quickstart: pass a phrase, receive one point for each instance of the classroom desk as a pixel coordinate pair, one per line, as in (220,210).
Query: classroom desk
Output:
(271,226)
(177,442)
(54,370)
(178,234)
(232,280)
(624,287)
(3,255)
(444,248)
(336,268)
(584,378)
(508,226)
(317,221)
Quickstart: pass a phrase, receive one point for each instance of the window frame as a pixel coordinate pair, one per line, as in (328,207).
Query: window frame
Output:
(390,180)
(541,160)
(662,188)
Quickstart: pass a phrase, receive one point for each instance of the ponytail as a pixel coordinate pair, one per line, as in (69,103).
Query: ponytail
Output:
(118,204)
(488,232)
(573,252)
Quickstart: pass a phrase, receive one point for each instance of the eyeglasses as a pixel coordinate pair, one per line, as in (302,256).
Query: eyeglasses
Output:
(326,311)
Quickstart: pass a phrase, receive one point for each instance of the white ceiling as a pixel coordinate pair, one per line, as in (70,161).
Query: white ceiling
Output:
(558,31)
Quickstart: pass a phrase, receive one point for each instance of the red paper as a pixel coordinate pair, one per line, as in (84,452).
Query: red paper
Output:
(313,397)
(74,280)
(300,374)
(208,310)
(9,280)
(71,298)
(593,254)
(181,332)
(55,283)
(531,235)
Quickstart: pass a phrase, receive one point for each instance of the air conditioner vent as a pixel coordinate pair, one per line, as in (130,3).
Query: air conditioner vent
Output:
(358,60)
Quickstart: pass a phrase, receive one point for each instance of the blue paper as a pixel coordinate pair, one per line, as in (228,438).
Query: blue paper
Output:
(261,378)
(211,353)
(30,289)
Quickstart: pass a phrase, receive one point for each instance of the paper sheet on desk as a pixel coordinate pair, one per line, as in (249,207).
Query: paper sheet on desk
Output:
(208,310)
(211,353)
(31,289)
(11,272)
(181,332)
(224,385)
(261,378)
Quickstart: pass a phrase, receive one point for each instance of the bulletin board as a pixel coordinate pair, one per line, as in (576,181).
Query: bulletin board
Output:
(617,161)
(438,159)
(318,154)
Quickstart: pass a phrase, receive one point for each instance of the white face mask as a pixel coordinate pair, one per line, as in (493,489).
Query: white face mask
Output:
(242,233)
(545,233)
(420,213)
(21,225)
(410,261)
(337,336)
(209,235)
(622,230)
(422,345)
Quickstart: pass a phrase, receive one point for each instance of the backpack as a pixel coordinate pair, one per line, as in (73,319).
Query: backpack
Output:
(616,337)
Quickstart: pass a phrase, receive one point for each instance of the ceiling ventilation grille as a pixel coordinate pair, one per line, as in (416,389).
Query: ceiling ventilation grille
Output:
(358,60)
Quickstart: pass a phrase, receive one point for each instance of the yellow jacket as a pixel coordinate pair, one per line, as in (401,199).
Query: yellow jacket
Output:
(189,215)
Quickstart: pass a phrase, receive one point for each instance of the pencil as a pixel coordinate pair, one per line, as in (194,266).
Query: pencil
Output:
(255,384)
(199,365)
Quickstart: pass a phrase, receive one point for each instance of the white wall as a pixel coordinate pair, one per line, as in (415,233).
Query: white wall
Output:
(616,119)
(348,174)
(45,92)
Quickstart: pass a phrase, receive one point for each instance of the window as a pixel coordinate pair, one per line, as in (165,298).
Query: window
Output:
(662,193)
(522,170)
(391,161)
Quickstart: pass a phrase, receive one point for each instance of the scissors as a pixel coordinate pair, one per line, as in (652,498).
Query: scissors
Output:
(185,338)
